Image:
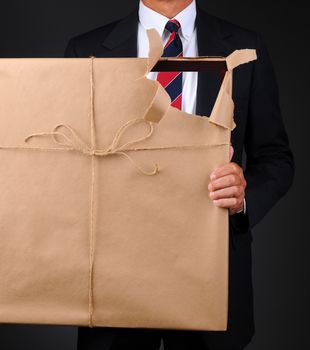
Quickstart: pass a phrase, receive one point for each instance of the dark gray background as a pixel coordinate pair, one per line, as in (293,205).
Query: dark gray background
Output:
(36,28)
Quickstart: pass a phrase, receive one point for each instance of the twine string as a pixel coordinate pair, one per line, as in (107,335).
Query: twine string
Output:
(75,143)
(92,200)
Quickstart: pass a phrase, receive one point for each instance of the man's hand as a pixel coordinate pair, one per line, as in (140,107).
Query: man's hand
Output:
(227,186)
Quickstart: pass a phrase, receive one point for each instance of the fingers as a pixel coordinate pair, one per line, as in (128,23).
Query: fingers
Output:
(229,168)
(229,192)
(225,181)
(231,203)
(227,186)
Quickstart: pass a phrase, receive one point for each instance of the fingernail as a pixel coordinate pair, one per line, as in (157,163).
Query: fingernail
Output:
(213,176)
(211,194)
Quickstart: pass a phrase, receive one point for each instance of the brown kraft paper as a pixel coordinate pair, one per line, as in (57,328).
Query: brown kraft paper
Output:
(105,216)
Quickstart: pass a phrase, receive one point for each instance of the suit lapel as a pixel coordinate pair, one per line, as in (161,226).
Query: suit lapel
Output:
(211,42)
(122,40)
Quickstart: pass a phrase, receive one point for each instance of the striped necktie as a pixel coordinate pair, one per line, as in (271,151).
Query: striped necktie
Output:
(172,81)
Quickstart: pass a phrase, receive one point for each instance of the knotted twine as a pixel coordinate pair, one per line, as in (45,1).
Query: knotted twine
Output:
(74,143)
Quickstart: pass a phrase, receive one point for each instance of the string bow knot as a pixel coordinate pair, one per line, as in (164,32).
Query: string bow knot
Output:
(73,141)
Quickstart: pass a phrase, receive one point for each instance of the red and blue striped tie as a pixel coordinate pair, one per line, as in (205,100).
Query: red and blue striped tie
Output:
(172,81)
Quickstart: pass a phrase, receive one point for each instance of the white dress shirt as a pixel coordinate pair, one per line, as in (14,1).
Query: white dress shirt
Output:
(148,19)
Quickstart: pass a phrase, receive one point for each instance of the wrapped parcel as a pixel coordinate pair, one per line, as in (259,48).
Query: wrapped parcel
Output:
(105,216)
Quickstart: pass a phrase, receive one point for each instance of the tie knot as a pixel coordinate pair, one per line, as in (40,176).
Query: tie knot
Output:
(173,25)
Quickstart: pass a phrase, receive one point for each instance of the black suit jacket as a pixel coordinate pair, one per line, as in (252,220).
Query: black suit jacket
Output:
(269,166)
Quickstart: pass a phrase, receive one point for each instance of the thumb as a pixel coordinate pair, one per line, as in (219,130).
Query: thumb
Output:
(231,152)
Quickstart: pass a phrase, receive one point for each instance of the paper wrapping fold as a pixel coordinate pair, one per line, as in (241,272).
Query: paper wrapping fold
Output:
(105,218)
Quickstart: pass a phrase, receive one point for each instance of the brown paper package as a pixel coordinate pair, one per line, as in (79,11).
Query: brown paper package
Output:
(105,215)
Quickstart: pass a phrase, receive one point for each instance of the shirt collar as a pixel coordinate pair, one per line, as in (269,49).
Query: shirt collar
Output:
(152,19)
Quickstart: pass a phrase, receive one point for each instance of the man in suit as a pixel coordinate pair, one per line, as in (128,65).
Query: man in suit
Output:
(248,194)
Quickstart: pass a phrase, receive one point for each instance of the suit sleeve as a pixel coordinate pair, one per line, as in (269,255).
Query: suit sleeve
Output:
(270,167)
(70,50)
